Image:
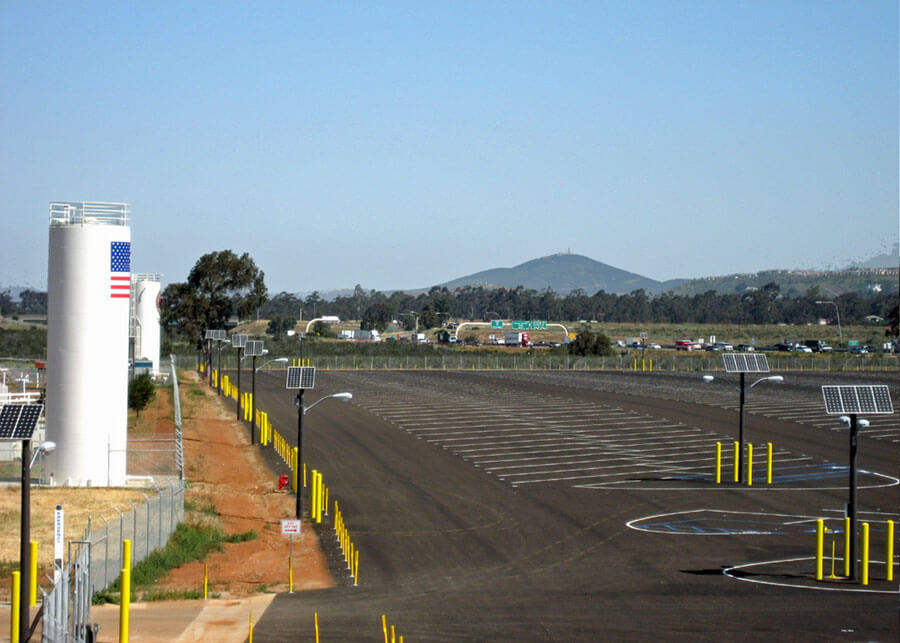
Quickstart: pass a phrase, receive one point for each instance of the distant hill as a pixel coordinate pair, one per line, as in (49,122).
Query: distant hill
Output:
(793,283)
(563,273)
(885,260)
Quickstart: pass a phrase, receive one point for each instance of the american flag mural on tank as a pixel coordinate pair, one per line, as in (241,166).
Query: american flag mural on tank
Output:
(120,269)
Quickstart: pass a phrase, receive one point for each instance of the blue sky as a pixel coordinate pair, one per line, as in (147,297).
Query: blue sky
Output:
(398,145)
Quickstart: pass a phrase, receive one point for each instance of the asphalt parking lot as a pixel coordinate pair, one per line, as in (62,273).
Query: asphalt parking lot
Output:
(583,506)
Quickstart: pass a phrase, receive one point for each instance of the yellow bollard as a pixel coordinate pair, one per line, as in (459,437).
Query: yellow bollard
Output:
(864,572)
(820,546)
(355,567)
(393,635)
(304,474)
(320,489)
(833,575)
(205,582)
(325,503)
(312,495)
(889,553)
(32,585)
(384,627)
(126,553)
(290,574)
(737,457)
(124,604)
(651,370)
(769,465)
(749,465)
(847,546)
(250,637)
(316,617)
(15,588)
(718,463)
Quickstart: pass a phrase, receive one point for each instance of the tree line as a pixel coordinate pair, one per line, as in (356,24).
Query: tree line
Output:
(766,305)
(30,302)
(223,285)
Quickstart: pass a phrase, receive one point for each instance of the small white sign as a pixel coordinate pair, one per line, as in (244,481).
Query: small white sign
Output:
(59,533)
(290,527)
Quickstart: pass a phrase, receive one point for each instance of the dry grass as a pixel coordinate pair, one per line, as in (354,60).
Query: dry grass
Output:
(78,504)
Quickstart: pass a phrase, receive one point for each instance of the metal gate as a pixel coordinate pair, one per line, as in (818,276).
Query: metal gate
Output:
(65,619)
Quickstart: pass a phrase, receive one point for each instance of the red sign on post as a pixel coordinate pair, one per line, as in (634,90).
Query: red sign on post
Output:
(290,527)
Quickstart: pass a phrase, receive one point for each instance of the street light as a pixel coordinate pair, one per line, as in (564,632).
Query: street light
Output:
(301,411)
(838,315)
(776,379)
(239,341)
(221,339)
(279,360)
(415,317)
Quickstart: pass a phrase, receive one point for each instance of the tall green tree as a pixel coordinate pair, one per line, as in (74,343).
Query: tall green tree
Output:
(220,284)
(377,316)
(140,392)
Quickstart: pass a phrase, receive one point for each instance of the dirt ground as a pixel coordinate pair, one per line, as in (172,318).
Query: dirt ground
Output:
(228,481)
(224,470)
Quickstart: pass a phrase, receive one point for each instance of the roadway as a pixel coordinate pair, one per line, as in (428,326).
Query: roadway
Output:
(580,506)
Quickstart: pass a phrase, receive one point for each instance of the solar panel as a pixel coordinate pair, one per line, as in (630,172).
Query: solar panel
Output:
(869,399)
(301,377)
(210,334)
(254,348)
(238,340)
(221,334)
(745,363)
(17,421)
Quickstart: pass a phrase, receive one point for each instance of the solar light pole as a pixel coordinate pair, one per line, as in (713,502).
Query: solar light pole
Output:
(209,337)
(25,530)
(221,339)
(239,341)
(854,425)
(838,315)
(848,402)
(742,389)
(301,411)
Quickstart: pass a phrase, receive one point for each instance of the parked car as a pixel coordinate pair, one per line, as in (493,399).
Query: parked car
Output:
(654,346)
(784,348)
(859,350)
(746,348)
(720,346)
(800,348)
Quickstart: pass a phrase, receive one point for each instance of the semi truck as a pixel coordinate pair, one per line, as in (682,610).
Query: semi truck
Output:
(517,339)
(817,345)
(371,335)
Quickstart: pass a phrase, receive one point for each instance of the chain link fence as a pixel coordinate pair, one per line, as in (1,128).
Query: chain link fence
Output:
(95,561)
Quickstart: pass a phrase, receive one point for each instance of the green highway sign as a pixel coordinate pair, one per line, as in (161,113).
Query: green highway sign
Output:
(521,325)
(496,323)
(539,325)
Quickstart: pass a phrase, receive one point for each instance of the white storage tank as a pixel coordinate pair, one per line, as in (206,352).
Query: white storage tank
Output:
(89,283)
(145,289)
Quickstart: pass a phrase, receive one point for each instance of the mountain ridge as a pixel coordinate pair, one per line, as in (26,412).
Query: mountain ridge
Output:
(563,272)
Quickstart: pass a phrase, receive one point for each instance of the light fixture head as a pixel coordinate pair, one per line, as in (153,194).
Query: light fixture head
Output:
(708,378)
(47,446)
